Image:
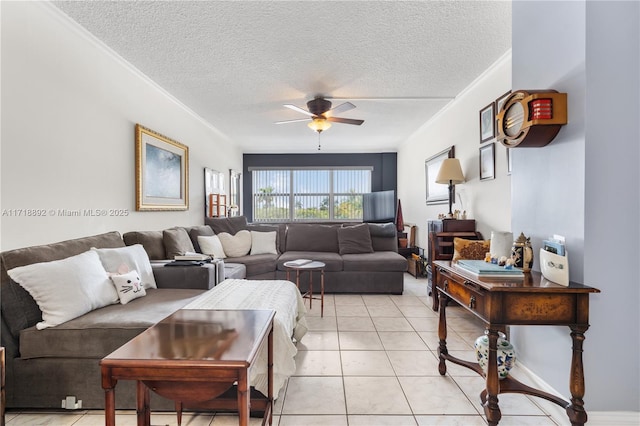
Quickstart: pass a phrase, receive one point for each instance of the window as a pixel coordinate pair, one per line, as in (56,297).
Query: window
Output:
(309,194)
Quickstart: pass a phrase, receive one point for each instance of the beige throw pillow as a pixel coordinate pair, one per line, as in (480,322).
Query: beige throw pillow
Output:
(470,249)
(263,242)
(211,245)
(236,245)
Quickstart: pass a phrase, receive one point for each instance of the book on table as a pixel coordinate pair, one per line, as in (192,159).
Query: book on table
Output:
(488,270)
(298,262)
(192,256)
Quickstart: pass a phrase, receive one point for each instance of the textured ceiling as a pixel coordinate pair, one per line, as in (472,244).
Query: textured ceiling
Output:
(235,63)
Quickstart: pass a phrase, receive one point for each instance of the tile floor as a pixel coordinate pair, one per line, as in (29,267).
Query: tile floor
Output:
(370,361)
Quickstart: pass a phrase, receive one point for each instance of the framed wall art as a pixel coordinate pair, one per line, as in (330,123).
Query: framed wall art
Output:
(162,172)
(500,101)
(487,162)
(437,193)
(487,123)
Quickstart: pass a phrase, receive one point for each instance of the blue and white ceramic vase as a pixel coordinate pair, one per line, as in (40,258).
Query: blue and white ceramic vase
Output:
(505,352)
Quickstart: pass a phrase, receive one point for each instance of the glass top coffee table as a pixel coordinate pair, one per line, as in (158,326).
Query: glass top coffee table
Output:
(194,357)
(310,266)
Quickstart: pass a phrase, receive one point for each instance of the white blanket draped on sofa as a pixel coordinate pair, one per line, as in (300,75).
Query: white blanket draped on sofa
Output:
(279,295)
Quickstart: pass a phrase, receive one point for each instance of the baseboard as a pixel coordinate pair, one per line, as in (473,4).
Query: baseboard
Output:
(618,418)
(559,415)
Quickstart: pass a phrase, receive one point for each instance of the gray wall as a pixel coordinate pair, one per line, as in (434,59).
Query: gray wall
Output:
(384,175)
(573,186)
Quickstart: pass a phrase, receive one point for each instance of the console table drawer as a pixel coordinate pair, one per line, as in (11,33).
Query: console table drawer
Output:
(463,291)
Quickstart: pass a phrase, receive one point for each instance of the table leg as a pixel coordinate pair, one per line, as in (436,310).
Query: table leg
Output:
(310,289)
(442,335)
(322,293)
(110,406)
(270,372)
(179,412)
(243,397)
(575,410)
(144,410)
(491,408)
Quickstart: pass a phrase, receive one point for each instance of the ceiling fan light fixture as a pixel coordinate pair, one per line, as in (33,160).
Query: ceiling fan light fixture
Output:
(319,124)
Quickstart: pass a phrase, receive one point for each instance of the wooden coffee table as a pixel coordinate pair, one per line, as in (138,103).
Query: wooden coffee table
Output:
(193,357)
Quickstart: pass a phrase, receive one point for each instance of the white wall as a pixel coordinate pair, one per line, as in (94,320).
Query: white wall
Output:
(69,107)
(612,201)
(488,201)
(574,186)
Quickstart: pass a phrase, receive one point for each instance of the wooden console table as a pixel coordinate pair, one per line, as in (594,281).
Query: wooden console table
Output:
(194,357)
(501,302)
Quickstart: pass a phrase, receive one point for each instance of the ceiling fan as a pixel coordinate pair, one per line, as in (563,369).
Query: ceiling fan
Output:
(321,114)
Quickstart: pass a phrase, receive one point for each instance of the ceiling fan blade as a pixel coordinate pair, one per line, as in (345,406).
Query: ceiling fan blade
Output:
(345,120)
(295,108)
(347,106)
(292,121)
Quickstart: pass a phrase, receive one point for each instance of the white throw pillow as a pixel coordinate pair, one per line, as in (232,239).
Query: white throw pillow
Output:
(211,246)
(65,289)
(236,245)
(125,259)
(501,243)
(263,242)
(129,286)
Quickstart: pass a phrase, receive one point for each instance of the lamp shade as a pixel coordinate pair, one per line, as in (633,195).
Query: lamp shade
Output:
(450,172)
(319,124)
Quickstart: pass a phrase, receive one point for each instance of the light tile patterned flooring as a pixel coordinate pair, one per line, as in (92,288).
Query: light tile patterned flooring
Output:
(372,360)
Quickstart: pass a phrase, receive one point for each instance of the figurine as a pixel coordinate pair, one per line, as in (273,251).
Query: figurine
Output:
(502,261)
(509,263)
(487,257)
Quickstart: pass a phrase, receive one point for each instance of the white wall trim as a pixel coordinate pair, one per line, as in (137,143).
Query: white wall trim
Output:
(559,415)
(85,34)
(506,57)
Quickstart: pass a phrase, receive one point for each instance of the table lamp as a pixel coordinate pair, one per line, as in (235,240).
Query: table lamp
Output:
(450,173)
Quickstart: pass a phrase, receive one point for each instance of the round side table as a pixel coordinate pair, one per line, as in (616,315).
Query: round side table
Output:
(310,267)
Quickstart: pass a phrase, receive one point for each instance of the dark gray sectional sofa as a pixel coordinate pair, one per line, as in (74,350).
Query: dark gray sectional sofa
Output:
(347,271)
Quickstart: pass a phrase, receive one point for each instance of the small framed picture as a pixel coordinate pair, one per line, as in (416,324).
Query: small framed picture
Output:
(508,160)
(501,100)
(487,123)
(487,162)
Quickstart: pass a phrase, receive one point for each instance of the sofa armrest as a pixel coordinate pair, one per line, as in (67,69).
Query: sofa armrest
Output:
(203,277)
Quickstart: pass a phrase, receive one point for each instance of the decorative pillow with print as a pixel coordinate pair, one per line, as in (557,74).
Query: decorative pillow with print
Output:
(129,286)
(470,249)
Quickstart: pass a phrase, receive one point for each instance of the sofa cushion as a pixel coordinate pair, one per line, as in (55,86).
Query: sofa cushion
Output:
(198,231)
(263,242)
(211,245)
(280,228)
(19,310)
(133,258)
(236,245)
(152,242)
(81,285)
(312,237)
(100,332)
(176,242)
(379,261)
(470,249)
(230,225)
(332,261)
(384,236)
(257,264)
(128,286)
(354,239)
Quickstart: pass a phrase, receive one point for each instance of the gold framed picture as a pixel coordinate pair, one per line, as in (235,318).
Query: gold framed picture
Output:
(162,172)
